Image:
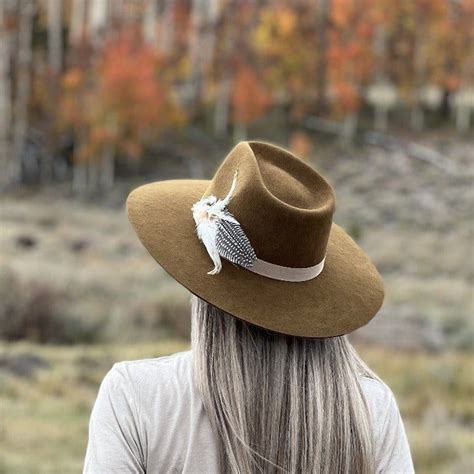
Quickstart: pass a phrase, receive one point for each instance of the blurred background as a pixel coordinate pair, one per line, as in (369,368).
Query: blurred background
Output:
(100,96)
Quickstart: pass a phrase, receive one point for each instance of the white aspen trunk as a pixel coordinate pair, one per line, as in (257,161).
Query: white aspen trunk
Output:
(79,168)
(225,82)
(98,10)
(209,34)
(381,118)
(167,27)
(5,99)
(380,47)
(349,128)
(201,43)
(76,28)
(93,175)
(417,118)
(55,46)
(222,107)
(463,118)
(79,178)
(198,14)
(240,132)
(24,58)
(149,22)
(107,164)
(107,175)
(323,26)
(55,60)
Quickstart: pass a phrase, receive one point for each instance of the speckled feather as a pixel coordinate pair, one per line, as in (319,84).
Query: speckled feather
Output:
(232,243)
(220,231)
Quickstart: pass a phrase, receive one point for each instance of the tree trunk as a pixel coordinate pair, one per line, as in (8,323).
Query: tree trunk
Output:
(463,118)
(79,167)
(417,112)
(55,42)
(222,107)
(55,62)
(79,178)
(107,176)
(209,35)
(201,44)
(349,128)
(417,117)
(194,87)
(380,49)
(381,118)
(322,23)
(25,55)
(240,132)
(5,99)
(93,176)
(225,71)
(149,22)
(98,10)
(167,27)
(76,28)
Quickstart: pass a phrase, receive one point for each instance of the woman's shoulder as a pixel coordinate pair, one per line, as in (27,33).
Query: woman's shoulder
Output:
(164,366)
(178,359)
(160,386)
(380,400)
(392,451)
(376,390)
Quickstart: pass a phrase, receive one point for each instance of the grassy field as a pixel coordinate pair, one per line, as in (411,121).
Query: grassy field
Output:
(45,413)
(73,272)
(85,256)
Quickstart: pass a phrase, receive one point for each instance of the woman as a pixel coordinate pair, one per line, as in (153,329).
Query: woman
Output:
(271,383)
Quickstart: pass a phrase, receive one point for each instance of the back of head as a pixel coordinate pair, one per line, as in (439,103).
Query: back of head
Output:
(280,403)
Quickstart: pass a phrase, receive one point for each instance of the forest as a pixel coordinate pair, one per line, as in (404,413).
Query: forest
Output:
(91,86)
(98,97)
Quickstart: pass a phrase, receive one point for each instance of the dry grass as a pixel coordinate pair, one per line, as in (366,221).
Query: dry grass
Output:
(411,218)
(45,417)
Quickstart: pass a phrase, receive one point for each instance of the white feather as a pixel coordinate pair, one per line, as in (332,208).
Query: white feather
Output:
(206,213)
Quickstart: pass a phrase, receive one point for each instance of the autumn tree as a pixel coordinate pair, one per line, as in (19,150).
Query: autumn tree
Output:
(350,59)
(250,100)
(285,40)
(117,109)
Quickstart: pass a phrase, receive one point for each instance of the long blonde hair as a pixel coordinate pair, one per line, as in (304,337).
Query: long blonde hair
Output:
(279,403)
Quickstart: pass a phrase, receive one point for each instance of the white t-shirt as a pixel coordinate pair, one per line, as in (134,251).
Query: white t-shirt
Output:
(149,418)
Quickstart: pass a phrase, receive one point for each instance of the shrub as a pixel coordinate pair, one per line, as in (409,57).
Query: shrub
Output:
(38,312)
(167,315)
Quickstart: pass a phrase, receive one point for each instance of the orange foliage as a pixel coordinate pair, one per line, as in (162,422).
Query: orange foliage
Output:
(301,145)
(250,99)
(350,52)
(346,97)
(121,101)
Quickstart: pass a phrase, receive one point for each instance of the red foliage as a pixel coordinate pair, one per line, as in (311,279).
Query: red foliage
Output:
(129,84)
(250,99)
(121,100)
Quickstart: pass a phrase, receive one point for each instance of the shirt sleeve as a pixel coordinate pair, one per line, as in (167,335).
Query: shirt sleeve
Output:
(393,451)
(114,442)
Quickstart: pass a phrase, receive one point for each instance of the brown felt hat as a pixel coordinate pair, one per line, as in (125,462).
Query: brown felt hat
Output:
(258,241)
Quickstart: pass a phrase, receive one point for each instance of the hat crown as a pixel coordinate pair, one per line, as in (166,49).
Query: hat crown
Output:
(283,205)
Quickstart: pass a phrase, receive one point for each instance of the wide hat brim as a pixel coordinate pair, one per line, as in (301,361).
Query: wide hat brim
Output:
(345,296)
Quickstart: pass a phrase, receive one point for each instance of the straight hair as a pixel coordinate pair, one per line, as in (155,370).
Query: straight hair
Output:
(279,403)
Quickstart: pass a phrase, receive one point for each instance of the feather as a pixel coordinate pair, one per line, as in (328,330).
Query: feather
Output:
(233,244)
(221,233)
